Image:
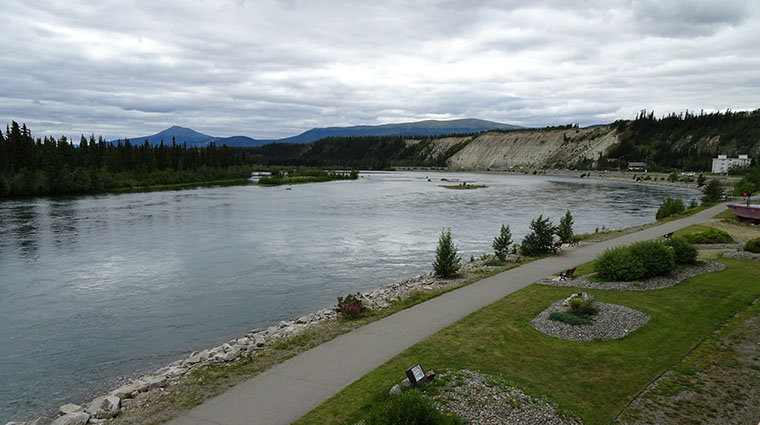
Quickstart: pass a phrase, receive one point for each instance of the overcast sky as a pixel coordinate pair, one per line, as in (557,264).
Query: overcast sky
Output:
(270,69)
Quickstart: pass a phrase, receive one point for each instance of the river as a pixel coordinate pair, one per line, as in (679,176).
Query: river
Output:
(95,288)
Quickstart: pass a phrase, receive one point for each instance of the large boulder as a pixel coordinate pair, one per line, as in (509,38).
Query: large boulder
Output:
(78,418)
(41,421)
(104,407)
(69,408)
(143,384)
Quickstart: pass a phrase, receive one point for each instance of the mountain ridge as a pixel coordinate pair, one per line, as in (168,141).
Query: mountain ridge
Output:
(411,129)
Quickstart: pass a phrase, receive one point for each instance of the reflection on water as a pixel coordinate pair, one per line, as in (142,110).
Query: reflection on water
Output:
(98,287)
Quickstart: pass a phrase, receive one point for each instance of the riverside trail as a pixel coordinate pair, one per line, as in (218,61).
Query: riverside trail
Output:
(291,389)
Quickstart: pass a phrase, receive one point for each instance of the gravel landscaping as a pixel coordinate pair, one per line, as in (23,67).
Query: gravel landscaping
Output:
(612,322)
(481,400)
(743,255)
(656,282)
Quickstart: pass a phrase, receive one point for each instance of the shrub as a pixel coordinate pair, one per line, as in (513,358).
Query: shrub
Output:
(5,187)
(752,245)
(670,206)
(701,179)
(619,264)
(710,236)
(409,408)
(446,260)
(570,318)
(656,258)
(683,251)
(351,307)
(582,306)
(541,239)
(501,243)
(565,228)
(713,192)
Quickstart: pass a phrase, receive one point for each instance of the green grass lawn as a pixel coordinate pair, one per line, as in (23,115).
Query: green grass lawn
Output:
(594,380)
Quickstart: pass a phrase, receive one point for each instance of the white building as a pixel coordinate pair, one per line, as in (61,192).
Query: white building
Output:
(722,163)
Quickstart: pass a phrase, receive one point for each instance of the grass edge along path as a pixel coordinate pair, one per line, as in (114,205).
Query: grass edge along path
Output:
(291,389)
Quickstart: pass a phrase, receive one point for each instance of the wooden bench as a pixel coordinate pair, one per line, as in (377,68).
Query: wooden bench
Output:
(668,235)
(575,241)
(557,246)
(567,274)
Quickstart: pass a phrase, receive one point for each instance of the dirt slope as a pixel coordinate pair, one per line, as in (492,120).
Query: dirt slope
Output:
(534,148)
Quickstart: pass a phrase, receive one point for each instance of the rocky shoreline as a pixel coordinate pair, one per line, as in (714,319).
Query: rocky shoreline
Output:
(105,407)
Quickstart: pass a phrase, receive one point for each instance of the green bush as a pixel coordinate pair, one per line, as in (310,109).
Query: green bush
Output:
(409,408)
(446,260)
(541,239)
(753,245)
(656,258)
(582,306)
(670,206)
(710,236)
(619,264)
(570,318)
(638,261)
(351,307)
(683,251)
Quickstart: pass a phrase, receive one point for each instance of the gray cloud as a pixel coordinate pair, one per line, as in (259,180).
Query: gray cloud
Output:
(276,68)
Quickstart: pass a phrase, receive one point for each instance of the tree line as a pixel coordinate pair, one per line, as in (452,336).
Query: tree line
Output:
(57,166)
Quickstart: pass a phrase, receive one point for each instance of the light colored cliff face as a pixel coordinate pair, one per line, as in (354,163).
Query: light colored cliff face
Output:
(439,146)
(534,148)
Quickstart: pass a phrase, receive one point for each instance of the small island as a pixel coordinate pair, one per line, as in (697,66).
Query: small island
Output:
(464,186)
(308,175)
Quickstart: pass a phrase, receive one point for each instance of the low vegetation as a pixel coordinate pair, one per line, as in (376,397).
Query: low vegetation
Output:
(409,408)
(670,206)
(306,175)
(709,236)
(465,186)
(637,261)
(570,318)
(683,251)
(351,307)
(752,245)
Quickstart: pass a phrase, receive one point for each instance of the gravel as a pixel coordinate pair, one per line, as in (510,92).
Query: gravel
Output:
(612,322)
(480,401)
(743,255)
(656,282)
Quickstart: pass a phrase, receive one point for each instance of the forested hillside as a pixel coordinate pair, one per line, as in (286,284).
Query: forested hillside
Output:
(55,166)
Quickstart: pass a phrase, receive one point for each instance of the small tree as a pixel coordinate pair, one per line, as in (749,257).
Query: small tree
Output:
(713,192)
(701,179)
(446,260)
(541,239)
(501,243)
(670,206)
(565,228)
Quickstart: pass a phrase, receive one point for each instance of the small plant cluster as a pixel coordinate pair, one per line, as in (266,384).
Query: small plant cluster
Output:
(644,259)
(710,236)
(409,408)
(671,206)
(351,307)
(752,245)
(580,311)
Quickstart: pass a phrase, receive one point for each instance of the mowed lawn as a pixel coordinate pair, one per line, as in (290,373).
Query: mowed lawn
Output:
(593,380)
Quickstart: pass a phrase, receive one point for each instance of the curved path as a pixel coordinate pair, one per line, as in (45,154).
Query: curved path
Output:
(291,389)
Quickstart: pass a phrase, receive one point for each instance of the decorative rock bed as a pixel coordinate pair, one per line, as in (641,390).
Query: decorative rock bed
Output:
(656,282)
(612,322)
(743,255)
(479,402)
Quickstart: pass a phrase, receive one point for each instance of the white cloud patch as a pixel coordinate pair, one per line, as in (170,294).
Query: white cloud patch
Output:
(272,68)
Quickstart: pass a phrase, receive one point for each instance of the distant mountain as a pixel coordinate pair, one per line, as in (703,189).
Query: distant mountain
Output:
(411,129)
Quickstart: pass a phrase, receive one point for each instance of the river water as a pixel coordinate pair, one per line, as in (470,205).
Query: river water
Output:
(94,288)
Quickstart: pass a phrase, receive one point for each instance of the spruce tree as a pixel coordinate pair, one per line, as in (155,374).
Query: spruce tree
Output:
(501,243)
(565,228)
(446,261)
(713,192)
(541,239)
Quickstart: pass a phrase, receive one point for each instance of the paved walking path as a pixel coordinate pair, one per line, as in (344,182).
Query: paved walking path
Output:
(291,389)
